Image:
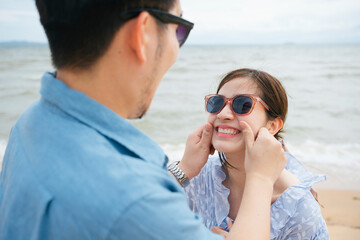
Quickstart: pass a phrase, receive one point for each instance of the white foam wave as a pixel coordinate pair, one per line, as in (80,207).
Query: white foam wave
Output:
(174,151)
(313,152)
(339,162)
(309,152)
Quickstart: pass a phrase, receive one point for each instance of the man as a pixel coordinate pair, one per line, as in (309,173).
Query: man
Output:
(74,167)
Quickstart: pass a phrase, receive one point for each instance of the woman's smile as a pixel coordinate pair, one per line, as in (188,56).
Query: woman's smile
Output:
(226,131)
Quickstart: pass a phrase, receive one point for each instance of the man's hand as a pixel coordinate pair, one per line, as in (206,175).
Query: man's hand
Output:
(264,156)
(197,150)
(220,231)
(264,161)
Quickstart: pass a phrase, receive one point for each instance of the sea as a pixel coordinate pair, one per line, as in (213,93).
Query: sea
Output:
(322,83)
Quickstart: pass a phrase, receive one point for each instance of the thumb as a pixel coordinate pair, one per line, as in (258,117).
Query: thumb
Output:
(248,134)
(206,136)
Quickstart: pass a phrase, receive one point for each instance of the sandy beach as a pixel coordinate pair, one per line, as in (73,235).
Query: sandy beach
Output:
(341,212)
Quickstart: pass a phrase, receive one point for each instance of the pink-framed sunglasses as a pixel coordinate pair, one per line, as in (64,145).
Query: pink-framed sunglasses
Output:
(242,104)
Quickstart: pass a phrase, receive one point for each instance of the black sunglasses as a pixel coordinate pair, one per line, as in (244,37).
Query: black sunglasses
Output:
(184,26)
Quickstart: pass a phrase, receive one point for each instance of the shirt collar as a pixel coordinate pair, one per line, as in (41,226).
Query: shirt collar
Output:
(101,118)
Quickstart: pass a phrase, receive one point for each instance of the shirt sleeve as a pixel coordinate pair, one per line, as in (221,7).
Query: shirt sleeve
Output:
(162,215)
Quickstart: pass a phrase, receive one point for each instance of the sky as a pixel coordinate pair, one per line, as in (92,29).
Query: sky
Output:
(227,21)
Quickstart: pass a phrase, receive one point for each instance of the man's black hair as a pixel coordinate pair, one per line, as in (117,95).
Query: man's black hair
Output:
(80,31)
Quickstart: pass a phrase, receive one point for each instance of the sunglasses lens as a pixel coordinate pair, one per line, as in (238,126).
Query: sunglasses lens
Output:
(242,104)
(214,104)
(181,34)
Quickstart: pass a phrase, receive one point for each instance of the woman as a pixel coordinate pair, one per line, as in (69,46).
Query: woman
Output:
(216,193)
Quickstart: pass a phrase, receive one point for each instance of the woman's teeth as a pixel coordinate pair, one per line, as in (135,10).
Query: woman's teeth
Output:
(228,131)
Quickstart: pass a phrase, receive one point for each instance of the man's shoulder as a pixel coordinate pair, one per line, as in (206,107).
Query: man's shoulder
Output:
(92,183)
(60,152)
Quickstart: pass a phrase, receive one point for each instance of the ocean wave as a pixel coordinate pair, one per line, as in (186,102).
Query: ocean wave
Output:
(174,151)
(309,152)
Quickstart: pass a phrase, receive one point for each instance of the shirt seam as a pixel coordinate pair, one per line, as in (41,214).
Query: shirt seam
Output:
(123,213)
(32,169)
(44,188)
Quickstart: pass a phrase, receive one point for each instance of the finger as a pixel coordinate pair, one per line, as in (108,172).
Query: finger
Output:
(248,134)
(219,231)
(216,229)
(263,132)
(199,131)
(314,193)
(230,224)
(206,136)
(211,121)
(195,136)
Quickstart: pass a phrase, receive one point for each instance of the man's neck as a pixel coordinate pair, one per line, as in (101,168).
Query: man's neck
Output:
(101,84)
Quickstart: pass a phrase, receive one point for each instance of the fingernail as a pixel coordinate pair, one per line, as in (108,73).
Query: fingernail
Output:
(207,128)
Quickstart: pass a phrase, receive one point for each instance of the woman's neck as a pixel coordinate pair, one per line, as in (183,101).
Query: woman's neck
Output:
(235,171)
(235,181)
(236,175)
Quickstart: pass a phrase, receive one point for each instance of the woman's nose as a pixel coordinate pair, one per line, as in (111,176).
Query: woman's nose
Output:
(226,113)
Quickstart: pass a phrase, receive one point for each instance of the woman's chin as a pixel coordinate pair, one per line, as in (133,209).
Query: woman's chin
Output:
(228,147)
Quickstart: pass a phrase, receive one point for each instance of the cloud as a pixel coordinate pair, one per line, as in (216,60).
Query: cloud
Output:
(19,21)
(12,16)
(228,21)
(275,17)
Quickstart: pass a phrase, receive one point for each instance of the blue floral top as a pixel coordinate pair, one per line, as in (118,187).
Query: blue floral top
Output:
(294,215)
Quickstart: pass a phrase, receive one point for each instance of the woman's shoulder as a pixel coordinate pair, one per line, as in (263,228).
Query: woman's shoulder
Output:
(297,207)
(296,210)
(297,168)
(299,194)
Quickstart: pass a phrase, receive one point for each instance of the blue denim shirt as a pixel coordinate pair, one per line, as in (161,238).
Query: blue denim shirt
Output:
(73,169)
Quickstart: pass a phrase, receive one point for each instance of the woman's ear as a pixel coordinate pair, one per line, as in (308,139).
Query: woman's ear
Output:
(275,125)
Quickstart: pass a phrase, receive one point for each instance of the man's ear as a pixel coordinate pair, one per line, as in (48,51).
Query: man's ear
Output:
(274,125)
(139,35)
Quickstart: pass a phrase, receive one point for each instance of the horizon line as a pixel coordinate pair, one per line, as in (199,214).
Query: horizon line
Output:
(24,42)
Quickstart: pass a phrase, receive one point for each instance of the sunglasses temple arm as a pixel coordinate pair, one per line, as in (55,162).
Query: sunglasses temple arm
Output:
(263,103)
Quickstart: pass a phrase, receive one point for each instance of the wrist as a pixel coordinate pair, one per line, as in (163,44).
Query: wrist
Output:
(178,173)
(188,172)
(260,180)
